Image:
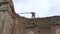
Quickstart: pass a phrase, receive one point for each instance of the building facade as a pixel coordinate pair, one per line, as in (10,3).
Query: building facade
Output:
(48,25)
(6,17)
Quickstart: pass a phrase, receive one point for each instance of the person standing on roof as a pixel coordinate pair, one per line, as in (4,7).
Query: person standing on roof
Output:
(33,14)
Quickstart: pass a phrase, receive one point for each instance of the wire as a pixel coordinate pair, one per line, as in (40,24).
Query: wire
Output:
(37,15)
(29,13)
(24,13)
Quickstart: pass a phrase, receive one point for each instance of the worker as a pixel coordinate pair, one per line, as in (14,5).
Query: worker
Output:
(33,14)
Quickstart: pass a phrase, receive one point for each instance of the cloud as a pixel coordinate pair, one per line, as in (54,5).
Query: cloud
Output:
(39,6)
(54,9)
(43,8)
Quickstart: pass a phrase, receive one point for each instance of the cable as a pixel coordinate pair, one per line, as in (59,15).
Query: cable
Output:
(37,15)
(32,13)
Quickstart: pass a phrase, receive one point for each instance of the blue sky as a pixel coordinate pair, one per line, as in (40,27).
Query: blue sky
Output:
(43,8)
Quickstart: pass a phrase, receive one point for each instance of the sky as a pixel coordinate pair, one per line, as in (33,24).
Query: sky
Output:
(43,8)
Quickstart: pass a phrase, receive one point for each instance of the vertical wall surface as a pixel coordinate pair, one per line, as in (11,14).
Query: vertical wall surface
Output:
(6,20)
(2,19)
(6,23)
